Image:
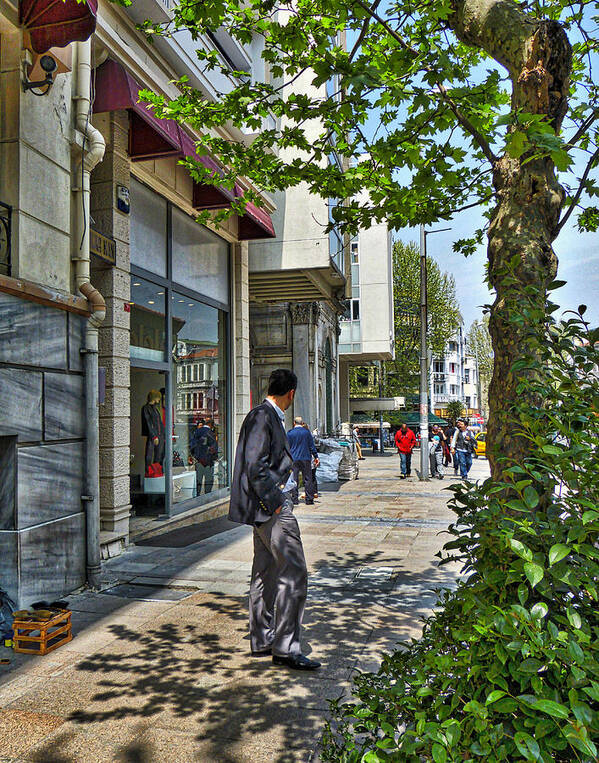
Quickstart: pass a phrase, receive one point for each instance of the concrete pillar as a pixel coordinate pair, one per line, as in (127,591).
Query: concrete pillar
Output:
(344,391)
(302,320)
(114,284)
(241,336)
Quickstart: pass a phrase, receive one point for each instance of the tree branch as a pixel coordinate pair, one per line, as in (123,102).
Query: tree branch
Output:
(467,125)
(578,193)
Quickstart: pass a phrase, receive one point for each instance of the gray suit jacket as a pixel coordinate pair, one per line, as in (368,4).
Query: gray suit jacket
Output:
(262,465)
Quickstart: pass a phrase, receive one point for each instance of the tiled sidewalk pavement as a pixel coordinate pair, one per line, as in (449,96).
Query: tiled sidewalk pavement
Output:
(171,678)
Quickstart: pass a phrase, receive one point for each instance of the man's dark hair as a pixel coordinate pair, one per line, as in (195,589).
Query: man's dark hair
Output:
(281,381)
(200,422)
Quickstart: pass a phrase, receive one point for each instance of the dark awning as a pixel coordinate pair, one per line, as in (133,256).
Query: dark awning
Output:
(56,23)
(255,222)
(149,136)
(207,195)
(154,138)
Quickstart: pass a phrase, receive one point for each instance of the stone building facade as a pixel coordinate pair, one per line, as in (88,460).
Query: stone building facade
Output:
(301,336)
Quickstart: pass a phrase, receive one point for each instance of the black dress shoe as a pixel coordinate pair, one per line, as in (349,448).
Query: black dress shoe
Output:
(262,652)
(296,661)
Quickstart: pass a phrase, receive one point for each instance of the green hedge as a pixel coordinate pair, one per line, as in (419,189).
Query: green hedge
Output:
(507,669)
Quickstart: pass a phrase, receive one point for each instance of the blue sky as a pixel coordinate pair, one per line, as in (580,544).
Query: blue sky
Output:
(578,255)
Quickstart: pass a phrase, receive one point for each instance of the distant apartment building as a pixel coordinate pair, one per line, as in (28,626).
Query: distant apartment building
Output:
(454,377)
(367,325)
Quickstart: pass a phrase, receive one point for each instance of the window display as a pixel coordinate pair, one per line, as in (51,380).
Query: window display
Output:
(200,379)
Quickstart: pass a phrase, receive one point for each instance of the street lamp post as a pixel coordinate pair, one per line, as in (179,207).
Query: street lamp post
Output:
(424,462)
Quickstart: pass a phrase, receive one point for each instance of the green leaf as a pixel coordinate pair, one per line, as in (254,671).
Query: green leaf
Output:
(551,708)
(534,573)
(530,665)
(527,746)
(439,753)
(539,611)
(558,552)
(531,497)
(574,618)
(521,549)
(494,696)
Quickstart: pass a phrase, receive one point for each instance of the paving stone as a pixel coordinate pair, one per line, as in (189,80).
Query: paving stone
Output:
(175,680)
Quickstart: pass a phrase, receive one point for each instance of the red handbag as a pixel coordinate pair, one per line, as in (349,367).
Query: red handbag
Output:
(155,470)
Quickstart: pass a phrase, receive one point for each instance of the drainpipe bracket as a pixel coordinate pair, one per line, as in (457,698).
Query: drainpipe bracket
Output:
(88,351)
(87,498)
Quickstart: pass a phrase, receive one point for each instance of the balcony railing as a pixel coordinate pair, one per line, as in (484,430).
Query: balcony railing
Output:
(5,238)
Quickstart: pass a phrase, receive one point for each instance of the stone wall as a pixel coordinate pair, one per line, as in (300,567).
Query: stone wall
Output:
(42,451)
(113,282)
(294,335)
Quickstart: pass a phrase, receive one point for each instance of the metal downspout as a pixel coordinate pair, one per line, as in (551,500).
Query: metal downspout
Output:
(92,153)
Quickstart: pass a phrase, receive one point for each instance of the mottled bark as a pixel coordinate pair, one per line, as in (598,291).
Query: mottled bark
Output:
(522,262)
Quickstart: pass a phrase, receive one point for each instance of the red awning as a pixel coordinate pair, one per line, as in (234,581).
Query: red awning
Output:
(149,136)
(154,138)
(207,195)
(56,23)
(255,222)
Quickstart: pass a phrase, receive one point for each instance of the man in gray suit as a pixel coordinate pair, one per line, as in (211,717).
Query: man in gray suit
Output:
(260,496)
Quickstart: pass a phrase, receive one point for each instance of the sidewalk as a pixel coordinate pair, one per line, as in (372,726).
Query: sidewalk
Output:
(160,670)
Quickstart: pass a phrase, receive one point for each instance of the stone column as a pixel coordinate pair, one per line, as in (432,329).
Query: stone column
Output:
(241,336)
(114,284)
(344,412)
(302,316)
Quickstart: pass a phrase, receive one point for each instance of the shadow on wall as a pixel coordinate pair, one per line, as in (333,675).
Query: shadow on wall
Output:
(191,674)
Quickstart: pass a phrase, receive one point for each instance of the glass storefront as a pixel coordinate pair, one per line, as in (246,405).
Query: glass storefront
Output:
(179,354)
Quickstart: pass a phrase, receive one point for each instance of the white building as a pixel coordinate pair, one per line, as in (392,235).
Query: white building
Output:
(367,325)
(454,377)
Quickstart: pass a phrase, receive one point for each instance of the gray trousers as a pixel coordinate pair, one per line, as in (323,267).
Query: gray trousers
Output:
(279,585)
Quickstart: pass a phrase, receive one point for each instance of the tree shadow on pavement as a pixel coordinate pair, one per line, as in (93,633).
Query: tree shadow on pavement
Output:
(187,678)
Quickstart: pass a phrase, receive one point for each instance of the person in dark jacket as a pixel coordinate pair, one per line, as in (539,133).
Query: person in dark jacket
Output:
(260,497)
(204,449)
(303,450)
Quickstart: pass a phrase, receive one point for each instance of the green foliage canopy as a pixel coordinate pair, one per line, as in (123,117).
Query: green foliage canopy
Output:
(442,104)
(402,374)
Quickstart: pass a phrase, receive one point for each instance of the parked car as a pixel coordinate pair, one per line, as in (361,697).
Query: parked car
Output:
(481,444)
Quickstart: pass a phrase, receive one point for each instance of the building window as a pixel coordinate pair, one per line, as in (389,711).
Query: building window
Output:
(452,367)
(453,389)
(148,321)
(179,350)
(439,389)
(355,312)
(467,375)
(439,366)
(354,253)
(468,403)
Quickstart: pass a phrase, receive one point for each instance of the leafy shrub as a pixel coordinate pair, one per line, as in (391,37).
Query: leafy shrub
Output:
(507,669)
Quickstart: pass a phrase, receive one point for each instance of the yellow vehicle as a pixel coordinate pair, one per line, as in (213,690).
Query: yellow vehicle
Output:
(481,444)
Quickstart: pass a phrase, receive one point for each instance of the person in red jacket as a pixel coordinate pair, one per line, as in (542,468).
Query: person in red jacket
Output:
(405,440)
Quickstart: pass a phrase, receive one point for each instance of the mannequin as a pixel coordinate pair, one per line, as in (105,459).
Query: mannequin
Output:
(152,428)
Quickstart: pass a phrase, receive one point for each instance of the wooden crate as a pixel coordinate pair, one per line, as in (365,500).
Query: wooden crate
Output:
(42,637)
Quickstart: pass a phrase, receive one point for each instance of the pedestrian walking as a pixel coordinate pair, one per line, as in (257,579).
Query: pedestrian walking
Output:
(314,462)
(303,450)
(451,458)
(260,497)
(356,438)
(463,445)
(405,441)
(436,452)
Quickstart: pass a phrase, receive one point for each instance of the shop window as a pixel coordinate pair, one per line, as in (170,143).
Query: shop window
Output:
(200,429)
(148,229)
(200,258)
(148,324)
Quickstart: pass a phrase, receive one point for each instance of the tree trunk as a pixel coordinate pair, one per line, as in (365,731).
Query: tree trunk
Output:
(522,262)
